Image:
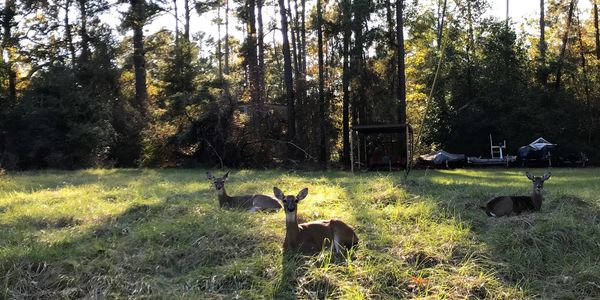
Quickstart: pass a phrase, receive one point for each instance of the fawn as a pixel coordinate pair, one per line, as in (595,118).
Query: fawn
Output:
(251,202)
(313,236)
(505,205)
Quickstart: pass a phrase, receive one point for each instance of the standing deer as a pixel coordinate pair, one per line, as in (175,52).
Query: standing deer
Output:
(313,236)
(505,205)
(251,202)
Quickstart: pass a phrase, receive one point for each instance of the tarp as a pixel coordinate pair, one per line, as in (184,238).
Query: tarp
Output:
(538,149)
(441,156)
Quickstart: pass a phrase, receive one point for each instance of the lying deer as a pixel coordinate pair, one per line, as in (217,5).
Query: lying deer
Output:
(313,236)
(251,202)
(505,205)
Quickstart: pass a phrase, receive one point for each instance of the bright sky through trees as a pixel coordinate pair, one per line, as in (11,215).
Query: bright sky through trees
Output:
(519,11)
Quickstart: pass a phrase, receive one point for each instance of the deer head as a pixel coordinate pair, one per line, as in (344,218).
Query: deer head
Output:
(538,182)
(290,202)
(219,182)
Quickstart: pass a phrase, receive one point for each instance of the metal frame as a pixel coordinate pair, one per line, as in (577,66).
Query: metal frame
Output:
(381,129)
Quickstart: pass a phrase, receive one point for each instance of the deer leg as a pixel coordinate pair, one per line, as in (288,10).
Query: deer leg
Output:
(336,244)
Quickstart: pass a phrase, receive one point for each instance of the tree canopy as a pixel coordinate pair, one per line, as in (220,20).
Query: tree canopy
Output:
(77,91)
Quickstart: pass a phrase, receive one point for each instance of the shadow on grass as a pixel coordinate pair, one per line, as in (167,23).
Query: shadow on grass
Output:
(160,250)
(550,254)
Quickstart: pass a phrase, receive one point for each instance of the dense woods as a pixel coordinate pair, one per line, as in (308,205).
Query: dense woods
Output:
(78,91)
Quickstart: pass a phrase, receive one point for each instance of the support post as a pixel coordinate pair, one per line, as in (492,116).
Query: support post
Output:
(351,151)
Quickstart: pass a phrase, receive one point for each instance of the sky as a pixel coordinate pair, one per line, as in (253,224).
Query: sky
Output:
(519,11)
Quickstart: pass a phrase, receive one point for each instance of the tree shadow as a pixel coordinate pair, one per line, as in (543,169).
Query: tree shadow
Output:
(549,253)
(137,252)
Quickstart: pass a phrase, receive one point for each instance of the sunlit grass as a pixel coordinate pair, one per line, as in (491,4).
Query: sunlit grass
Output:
(160,233)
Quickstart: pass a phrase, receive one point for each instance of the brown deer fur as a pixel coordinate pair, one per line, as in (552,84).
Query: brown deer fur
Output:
(506,205)
(251,202)
(314,236)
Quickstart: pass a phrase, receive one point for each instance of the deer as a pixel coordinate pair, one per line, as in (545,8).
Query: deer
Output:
(254,203)
(506,205)
(313,236)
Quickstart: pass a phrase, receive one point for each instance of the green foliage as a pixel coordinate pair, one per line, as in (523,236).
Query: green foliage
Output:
(61,125)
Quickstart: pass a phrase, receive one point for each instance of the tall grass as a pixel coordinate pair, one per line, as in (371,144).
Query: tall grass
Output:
(160,234)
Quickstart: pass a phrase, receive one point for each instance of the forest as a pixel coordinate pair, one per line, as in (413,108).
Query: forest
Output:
(79,91)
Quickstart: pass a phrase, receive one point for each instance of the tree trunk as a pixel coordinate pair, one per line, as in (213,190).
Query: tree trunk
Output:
(261,52)
(507,15)
(359,104)
(294,44)
(586,84)
(401,96)
(470,49)
(8,47)
(175,8)
(226,68)
(346,83)
(186,25)
(322,113)
(251,53)
(139,60)
(564,46)
(391,40)
(85,38)
(280,81)
(542,45)
(543,73)
(68,34)
(442,20)
(287,70)
(219,54)
(597,30)
(302,90)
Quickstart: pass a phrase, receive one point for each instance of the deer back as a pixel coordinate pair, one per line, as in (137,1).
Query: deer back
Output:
(317,235)
(264,202)
(241,201)
(499,206)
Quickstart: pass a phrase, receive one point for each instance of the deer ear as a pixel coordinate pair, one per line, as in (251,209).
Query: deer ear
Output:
(210,176)
(303,193)
(278,193)
(225,176)
(529,176)
(547,176)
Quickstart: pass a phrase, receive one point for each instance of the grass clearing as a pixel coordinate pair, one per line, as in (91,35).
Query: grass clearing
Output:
(160,234)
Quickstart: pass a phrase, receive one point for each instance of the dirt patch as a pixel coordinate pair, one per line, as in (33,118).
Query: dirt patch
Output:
(422,260)
(62,222)
(573,200)
(176,197)
(384,199)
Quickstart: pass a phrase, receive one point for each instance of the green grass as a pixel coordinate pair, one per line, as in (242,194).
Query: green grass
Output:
(160,234)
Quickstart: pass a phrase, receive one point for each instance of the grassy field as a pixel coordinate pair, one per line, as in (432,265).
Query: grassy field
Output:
(160,234)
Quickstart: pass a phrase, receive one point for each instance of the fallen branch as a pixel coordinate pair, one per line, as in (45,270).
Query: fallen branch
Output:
(308,156)
(215,151)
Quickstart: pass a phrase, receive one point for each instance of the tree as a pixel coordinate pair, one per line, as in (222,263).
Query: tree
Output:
(137,18)
(289,85)
(322,112)
(401,96)
(346,32)
(542,70)
(9,46)
(596,26)
(563,48)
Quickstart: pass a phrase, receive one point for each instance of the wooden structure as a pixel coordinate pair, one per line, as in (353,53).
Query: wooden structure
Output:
(362,131)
